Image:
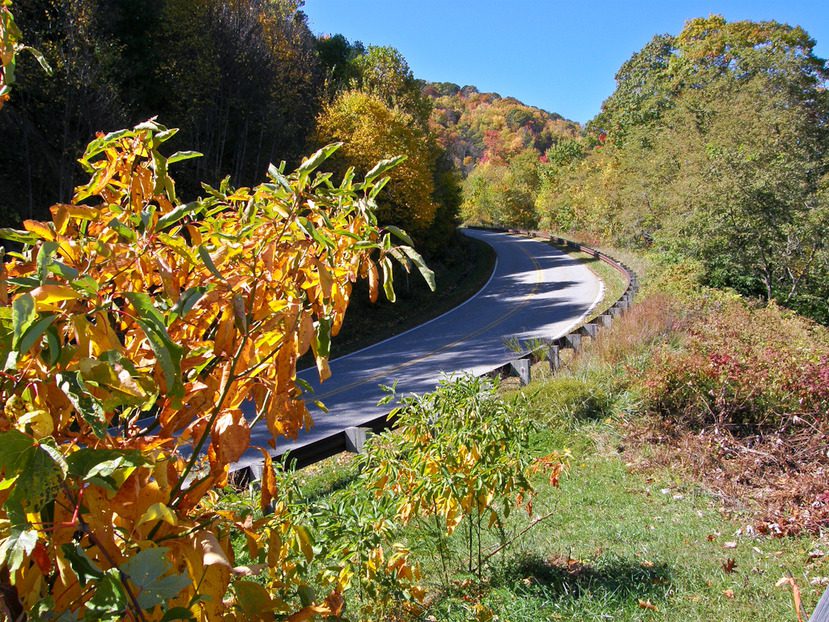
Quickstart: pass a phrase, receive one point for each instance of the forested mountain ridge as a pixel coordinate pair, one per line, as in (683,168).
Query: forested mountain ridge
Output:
(497,145)
(474,127)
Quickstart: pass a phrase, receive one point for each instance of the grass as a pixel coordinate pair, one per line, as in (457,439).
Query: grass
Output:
(619,544)
(623,545)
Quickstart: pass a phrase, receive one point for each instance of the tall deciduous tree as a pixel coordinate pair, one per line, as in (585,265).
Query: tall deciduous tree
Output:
(372,131)
(717,148)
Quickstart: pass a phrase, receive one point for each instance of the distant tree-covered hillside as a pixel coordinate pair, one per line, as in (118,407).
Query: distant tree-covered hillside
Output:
(477,127)
(498,144)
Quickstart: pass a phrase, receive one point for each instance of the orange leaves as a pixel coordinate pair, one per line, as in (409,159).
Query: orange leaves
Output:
(143,325)
(41,229)
(373,280)
(231,437)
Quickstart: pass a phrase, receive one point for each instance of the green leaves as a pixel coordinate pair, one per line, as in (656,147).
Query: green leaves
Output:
(417,260)
(15,235)
(39,470)
(176,214)
(83,567)
(17,546)
(109,600)
(23,315)
(322,337)
(107,468)
(180,156)
(388,279)
(148,573)
(382,167)
(167,352)
(312,162)
(87,405)
(13,444)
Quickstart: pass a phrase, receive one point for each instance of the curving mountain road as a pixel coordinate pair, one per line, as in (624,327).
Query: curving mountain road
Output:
(535,291)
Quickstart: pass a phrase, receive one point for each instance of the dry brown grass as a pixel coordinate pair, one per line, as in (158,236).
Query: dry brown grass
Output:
(781,482)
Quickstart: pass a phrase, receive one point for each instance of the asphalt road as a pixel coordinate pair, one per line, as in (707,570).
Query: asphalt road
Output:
(535,291)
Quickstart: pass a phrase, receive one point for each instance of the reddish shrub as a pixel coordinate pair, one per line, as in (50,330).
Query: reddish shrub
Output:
(743,369)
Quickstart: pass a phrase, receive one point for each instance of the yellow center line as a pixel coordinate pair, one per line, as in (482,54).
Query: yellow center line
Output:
(387,372)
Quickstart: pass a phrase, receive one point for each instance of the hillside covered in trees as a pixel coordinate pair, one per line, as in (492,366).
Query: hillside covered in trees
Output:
(246,83)
(713,148)
(496,144)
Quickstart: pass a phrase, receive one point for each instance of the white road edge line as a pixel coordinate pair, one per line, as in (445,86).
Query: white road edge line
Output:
(434,319)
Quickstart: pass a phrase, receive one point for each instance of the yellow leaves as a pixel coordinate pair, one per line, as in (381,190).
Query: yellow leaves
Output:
(223,344)
(253,599)
(48,297)
(41,229)
(63,214)
(331,607)
(138,311)
(38,423)
(304,540)
(452,514)
(212,552)
(646,604)
(158,511)
(113,377)
(323,368)
(209,569)
(306,334)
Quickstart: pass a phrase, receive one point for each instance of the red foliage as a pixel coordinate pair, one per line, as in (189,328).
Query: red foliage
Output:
(745,369)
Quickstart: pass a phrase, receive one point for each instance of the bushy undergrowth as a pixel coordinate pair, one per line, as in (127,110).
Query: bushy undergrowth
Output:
(437,492)
(743,369)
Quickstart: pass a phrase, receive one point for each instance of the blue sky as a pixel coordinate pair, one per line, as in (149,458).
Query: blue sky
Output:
(560,56)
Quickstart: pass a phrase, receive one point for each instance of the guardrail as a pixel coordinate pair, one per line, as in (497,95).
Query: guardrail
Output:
(551,350)
(352,439)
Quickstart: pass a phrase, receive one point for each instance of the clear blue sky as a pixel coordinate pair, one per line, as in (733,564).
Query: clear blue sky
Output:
(560,56)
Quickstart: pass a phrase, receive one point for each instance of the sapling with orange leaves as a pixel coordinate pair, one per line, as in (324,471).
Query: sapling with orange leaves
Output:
(133,327)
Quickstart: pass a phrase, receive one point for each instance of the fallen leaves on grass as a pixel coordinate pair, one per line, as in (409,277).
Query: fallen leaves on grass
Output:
(647,604)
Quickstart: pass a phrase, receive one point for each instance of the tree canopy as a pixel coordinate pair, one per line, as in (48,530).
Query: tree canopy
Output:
(713,146)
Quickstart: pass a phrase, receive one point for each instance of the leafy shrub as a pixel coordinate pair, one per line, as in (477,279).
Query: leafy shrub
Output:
(459,457)
(458,453)
(744,369)
(132,328)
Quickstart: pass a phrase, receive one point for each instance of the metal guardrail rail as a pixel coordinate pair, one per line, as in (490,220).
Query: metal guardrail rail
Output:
(351,439)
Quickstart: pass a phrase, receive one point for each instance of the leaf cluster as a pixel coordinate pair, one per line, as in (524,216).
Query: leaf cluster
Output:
(141,338)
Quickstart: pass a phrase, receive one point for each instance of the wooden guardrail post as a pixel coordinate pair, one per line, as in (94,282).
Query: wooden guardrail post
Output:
(821,612)
(355,439)
(589,330)
(554,357)
(573,341)
(521,368)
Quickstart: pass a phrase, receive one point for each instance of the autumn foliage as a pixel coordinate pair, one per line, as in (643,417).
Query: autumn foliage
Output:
(134,329)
